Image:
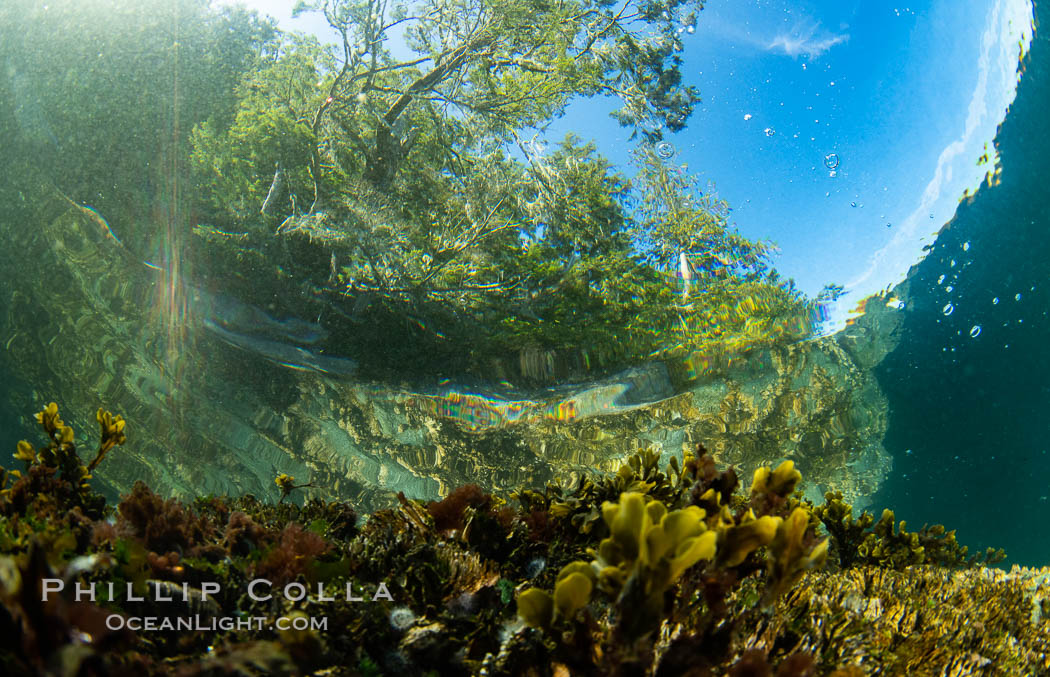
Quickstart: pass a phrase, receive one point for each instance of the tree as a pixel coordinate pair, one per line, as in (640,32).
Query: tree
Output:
(101,96)
(485,68)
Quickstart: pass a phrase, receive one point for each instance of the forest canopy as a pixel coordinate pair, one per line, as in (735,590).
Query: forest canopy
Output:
(391,185)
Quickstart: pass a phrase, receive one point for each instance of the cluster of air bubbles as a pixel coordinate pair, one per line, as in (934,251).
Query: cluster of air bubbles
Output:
(664,150)
(770,131)
(948,309)
(940,280)
(402,618)
(831,161)
(975,331)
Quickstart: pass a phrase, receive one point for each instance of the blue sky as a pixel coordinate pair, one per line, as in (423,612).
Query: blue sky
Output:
(906,95)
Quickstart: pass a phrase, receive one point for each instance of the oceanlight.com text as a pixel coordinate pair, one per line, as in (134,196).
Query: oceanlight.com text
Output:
(207,623)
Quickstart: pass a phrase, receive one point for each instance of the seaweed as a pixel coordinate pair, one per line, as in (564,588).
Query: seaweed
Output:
(888,543)
(291,556)
(644,571)
(56,470)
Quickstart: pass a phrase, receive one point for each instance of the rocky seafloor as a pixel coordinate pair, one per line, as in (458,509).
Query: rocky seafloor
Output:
(679,571)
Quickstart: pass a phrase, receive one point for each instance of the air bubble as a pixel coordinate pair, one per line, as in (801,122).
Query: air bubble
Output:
(949,288)
(664,150)
(975,331)
(940,280)
(403,618)
(948,309)
(747,116)
(852,204)
(966,246)
(1017,297)
(535,567)
(831,160)
(770,131)
(995,301)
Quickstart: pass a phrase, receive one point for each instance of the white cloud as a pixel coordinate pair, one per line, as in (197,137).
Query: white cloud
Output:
(806,39)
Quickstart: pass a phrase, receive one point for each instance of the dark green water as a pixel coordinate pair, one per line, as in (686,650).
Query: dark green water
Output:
(970,416)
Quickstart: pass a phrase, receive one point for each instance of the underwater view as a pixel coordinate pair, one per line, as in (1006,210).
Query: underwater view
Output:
(518,337)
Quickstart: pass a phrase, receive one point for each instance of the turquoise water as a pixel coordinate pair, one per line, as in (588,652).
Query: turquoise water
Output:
(242,339)
(968,391)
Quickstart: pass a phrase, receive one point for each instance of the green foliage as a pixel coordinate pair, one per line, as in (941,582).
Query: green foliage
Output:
(676,215)
(273,124)
(395,199)
(101,95)
(401,200)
